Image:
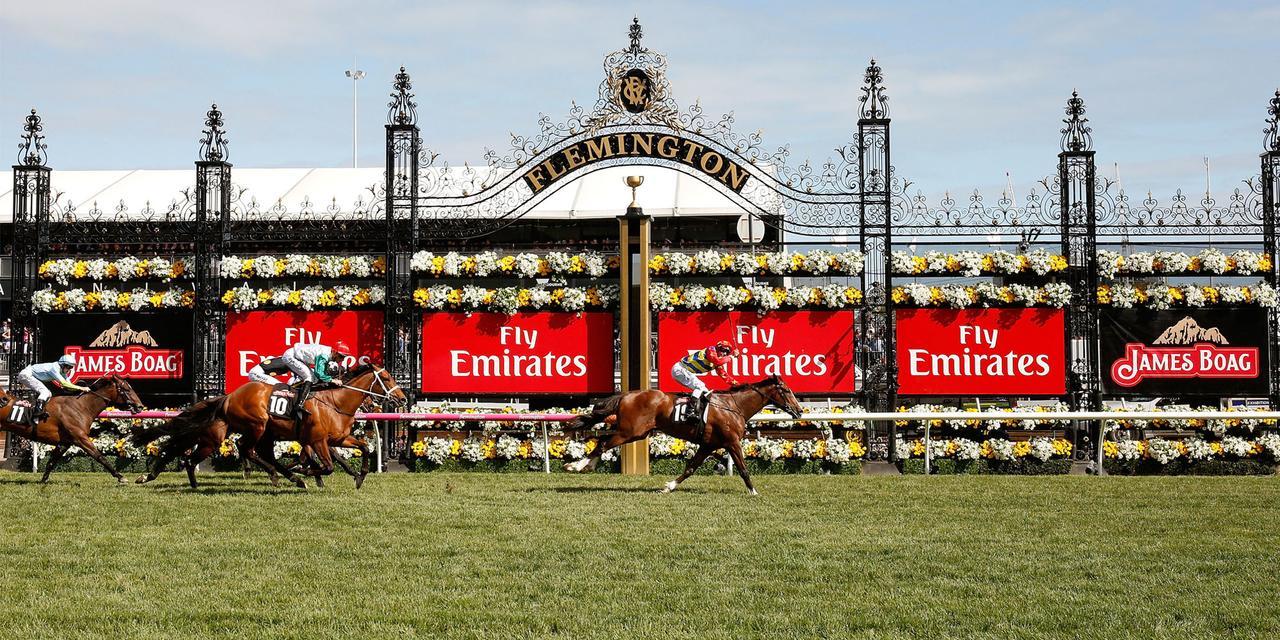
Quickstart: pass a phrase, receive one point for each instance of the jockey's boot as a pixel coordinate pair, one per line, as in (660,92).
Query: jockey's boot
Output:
(699,404)
(299,408)
(38,413)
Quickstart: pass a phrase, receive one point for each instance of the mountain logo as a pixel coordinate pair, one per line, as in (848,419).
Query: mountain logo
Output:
(1182,351)
(128,353)
(122,335)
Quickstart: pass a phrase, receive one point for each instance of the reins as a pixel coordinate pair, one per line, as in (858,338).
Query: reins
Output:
(377,377)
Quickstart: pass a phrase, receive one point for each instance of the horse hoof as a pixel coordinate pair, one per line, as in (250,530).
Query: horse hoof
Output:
(359,481)
(143,479)
(121,480)
(754,493)
(302,484)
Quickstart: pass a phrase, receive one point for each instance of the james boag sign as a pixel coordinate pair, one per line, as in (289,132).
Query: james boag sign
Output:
(255,335)
(811,350)
(150,350)
(981,352)
(543,352)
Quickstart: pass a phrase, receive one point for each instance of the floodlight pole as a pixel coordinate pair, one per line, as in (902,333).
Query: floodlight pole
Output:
(356,75)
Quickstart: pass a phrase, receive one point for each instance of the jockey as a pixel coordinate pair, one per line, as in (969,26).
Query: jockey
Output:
(37,377)
(266,371)
(310,363)
(687,369)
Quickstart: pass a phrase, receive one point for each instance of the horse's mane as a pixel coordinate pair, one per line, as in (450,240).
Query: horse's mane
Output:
(101,382)
(767,382)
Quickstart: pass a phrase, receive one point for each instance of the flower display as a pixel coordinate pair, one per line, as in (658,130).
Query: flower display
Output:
(511,300)
(1209,261)
(302,265)
(986,425)
(1218,426)
(664,297)
(1165,296)
(973,263)
(64,270)
(76,300)
(983,294)
(1194,449)
(781,263)
(1040,448)
(244,298)
(528,265)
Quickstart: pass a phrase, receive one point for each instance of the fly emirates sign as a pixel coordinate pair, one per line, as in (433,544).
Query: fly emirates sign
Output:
(254,336)
(981,352)
(543,352)
(811,350)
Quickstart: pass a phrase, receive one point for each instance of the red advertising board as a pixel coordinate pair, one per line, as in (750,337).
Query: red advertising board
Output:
(981,352)
(811,350)
(496,353)
(255,335)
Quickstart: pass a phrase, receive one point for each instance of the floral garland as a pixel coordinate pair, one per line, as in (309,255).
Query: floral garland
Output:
(780,263)
(511,300)
(244,298)
(1164,296)
(1183,424)
(63,270)
(973,264)
(983,294)
(1042,449)
(527,425)
(1212,261)
(528,265)
(664,297)
(301,265)
(1193,449)
(987,425)
(75,300)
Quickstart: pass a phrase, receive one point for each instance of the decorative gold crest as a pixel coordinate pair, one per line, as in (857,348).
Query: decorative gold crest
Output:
(636,91)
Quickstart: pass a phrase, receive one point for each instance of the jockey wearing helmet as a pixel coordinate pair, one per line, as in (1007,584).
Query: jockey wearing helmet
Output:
(310,363)
(37,378)
(687,369)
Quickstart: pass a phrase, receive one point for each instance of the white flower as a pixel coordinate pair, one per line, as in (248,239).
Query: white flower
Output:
(850,262)
(900,263)
(229,267)
(707,262)
(264,266)
(597,265)
(679,263)
(1213,261)
(1236,446)
(745,264)
(1001,448)
(44,300)
(421,261)
(528,265)
(1109,263)
(575,299)
(1163,451)
(966,449)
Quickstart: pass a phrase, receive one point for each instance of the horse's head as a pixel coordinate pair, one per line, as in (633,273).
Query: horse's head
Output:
(378,382)
(118,392)
(779,395)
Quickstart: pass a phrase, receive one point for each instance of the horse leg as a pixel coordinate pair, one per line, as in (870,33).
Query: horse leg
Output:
(54,459)
(265,449)
(157,467)
(366,452)
(198,455)
(735,451)
(87,445)
(690,467)
(622,436)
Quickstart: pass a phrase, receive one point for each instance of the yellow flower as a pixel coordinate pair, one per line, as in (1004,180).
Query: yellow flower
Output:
(1104,294)
(156,299)
(469,264)
(556,448)
(1110,449)
(489,449)
(189,299)
(122,300)
(379,264)
(437,265)
(507,263)
(142,268)
(1021,449)
(246,268)
(112,270)
(228,296)
(919,264)
(419,449)
(455,447)
(677,446)
(81,269)
(454,297)
(264,295)
(523,298)
(899,295)
(328,299)
(657,264)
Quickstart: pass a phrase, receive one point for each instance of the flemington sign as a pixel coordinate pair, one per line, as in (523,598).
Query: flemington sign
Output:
(667,146)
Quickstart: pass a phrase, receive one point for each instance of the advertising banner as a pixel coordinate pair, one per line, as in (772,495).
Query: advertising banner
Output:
(150,350)
(496,353)
(981,352)
(811,350)
(253,336)
(1184,351)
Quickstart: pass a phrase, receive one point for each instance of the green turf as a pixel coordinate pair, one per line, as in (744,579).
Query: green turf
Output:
(602,556)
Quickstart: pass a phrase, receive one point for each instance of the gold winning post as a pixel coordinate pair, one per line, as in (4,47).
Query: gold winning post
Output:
(635,321)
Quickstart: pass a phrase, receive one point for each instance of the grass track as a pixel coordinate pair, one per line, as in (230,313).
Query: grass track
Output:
(516,556)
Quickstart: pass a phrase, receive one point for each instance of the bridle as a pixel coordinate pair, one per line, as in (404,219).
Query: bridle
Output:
(384,392)
(767,401)
(115,385)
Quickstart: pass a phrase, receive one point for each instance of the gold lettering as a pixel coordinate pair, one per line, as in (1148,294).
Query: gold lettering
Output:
(691,147)
(552,171)
(667,146)
(733,177)
(598,148)
(707,157)
(637,142)
(574,156)
(535,182)
(622,146)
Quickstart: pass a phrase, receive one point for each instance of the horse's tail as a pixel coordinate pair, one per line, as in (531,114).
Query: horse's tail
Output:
(192,419)
(599,413)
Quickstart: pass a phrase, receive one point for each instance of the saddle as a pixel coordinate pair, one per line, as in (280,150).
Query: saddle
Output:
(682,410)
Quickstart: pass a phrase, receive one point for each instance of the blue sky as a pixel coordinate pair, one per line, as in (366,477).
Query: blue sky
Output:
(976,89)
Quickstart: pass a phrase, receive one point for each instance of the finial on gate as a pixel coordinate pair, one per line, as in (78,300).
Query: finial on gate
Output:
(1271,138)
(636,33)
(1077,136)
(31,151)
(403,110)
(213,146)
(874,102)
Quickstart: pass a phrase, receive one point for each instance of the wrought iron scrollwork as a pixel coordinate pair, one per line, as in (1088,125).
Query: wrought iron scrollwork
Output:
(874,103)
(1270,137)
(31,151)
(1076,136)
(402,110)
(213,146)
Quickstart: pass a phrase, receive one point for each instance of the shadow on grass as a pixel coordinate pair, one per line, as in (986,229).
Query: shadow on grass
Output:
(637,490)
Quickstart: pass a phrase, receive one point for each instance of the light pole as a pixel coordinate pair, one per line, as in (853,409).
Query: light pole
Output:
(355,75)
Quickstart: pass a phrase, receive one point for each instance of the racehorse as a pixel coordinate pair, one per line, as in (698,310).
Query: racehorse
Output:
(71,417)
(640,413)
(331,416)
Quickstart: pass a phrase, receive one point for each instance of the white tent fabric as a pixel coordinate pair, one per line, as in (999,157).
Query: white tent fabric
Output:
(595,195)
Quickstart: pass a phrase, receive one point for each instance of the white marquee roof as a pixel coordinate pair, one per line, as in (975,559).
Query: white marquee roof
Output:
(599,194)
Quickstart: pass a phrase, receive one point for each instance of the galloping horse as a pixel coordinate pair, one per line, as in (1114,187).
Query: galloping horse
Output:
(244,411)
(640,413)
(70,418)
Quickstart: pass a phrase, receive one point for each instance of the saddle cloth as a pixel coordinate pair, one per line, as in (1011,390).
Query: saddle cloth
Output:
(282,401)
(683,405)
(20,413)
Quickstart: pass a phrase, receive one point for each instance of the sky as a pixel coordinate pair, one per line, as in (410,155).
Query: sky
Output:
(976,90)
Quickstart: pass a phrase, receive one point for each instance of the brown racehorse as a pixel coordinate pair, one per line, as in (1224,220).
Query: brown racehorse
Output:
(203,426)
(71,417)
(640,413)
